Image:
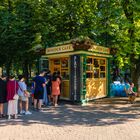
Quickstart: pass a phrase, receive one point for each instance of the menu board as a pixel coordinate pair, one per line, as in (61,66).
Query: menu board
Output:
(75,78)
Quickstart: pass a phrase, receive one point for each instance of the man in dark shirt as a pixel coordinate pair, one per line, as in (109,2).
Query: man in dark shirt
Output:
(39,89)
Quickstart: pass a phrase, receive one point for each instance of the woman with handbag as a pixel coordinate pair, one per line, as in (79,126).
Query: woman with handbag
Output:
(12,97)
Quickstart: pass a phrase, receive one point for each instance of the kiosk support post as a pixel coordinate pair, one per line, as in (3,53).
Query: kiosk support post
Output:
(83,79)
(108,77)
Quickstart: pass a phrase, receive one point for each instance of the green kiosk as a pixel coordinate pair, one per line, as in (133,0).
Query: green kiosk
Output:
(84,68)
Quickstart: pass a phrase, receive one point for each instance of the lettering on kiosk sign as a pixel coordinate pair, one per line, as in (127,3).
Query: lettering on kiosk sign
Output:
(100,49)
(64,48)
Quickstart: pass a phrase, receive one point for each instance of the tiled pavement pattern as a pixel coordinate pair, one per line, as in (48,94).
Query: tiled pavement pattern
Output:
(107,119)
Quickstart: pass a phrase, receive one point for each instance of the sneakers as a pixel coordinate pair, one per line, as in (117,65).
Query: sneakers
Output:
(56,105)
(28,113)
(25,112)
(22,112)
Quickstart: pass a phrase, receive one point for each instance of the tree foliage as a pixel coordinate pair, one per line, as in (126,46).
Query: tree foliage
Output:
(27,23)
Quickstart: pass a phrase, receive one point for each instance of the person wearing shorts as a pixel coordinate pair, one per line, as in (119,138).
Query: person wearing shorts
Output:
(39,90)
(23,96)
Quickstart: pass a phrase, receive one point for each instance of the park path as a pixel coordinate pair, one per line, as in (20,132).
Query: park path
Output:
(106,119)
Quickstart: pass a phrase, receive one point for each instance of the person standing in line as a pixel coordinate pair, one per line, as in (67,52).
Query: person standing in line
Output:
(39,90)
(55,89)
(12,88)
(32,91)
(3,94)
(45,96)
(23,96)
(60,86)
(48,85)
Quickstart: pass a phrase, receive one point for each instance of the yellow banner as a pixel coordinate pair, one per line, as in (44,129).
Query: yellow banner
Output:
(69,48)
(100,49)
(59,49)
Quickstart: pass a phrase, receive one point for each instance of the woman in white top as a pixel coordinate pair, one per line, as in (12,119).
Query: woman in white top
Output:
(23,96)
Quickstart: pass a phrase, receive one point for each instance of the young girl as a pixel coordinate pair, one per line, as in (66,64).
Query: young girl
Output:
(131,94)
(12,88)
(55,89)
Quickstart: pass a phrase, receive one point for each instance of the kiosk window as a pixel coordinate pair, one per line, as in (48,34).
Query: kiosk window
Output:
(96,67)
(61,65)
(96,73)
(65,68)
(57,62)
(102,68)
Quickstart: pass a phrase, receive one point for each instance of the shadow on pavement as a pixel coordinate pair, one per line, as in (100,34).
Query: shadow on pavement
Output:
(99,113)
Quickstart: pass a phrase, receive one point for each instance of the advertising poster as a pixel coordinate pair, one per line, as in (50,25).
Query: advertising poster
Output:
(75,78)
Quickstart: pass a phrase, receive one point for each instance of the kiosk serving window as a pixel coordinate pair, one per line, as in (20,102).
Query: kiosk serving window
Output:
(62,65)
(96,67)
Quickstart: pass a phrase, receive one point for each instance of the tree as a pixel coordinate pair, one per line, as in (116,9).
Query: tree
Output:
(17,34)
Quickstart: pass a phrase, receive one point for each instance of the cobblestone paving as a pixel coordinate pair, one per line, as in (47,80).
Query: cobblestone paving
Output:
(105,120)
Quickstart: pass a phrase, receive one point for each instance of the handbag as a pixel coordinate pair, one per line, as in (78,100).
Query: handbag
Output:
(16,95)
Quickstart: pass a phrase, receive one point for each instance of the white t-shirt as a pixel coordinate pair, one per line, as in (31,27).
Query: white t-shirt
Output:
(22,88)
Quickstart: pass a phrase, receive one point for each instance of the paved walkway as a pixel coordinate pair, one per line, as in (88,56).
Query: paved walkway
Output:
(102,120)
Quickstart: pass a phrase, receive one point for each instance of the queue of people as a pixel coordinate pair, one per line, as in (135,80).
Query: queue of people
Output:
(12,91)
(45,90)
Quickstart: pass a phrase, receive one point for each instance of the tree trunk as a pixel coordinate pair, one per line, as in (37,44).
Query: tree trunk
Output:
(8,68)
(30,70)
